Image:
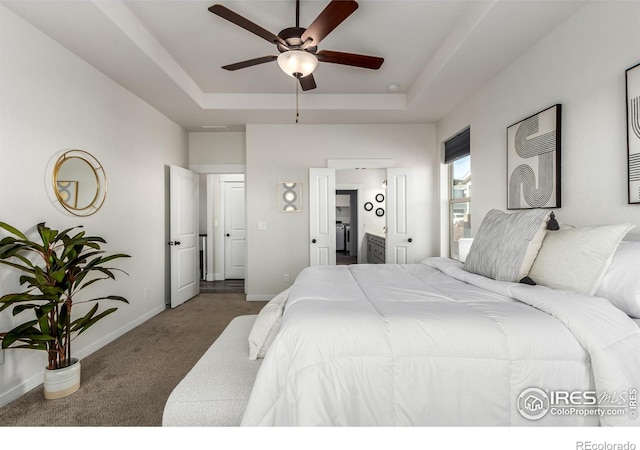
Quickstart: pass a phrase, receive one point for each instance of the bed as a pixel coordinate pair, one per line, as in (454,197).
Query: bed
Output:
(437,344)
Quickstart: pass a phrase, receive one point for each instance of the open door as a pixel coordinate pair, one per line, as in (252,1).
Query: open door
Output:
(322,217)
(183,191)
(399,244)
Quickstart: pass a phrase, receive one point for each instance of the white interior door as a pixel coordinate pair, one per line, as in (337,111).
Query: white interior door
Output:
(183,191)
(234,232)
(322,217)
(400,240)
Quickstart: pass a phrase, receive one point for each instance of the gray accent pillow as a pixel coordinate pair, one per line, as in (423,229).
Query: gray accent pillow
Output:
(506,245)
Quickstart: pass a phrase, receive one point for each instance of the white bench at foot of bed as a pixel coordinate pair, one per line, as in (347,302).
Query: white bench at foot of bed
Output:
(216,390)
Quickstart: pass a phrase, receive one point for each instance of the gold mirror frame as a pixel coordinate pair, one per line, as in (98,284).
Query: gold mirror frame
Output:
(72,186)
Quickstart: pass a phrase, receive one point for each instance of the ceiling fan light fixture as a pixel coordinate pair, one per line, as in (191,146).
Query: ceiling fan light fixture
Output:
(297,63)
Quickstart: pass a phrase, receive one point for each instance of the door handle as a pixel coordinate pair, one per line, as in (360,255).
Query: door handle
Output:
(228,235)
(313,241)
(174,243)
(410,240)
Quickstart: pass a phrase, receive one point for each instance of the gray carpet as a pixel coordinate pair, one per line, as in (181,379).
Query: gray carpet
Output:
(127,382)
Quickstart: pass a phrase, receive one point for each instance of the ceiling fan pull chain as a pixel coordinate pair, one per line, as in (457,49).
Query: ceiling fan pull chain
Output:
(297,113)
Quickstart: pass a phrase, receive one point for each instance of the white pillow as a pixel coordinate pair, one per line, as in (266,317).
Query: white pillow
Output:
(267,325)
(621,282)
(575,259)
(506,245)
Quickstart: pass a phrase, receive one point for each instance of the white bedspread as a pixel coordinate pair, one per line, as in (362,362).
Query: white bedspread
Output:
(434,345)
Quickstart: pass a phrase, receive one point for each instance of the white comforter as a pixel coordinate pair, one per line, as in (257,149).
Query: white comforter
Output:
(430,344)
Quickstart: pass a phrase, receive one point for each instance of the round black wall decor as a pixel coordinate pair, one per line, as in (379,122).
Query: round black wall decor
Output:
(368,206)
(380,198)
(379,212)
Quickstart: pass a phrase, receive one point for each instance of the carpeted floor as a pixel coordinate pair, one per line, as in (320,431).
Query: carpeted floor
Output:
(127,382)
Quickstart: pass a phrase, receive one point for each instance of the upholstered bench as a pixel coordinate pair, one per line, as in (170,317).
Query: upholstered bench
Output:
(216,390)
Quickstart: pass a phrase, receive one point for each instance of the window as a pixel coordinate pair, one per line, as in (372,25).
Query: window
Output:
(458,157)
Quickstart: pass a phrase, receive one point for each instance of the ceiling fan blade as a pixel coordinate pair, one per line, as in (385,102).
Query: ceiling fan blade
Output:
(248,25)
(350,59)
(307,83)
(332,16)
(250,62)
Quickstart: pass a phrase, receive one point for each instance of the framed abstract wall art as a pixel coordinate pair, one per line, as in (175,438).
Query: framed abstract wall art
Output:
(533,161)
(633,132)
(289,196)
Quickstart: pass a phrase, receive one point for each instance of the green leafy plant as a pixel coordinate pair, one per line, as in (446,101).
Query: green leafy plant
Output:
(66,263)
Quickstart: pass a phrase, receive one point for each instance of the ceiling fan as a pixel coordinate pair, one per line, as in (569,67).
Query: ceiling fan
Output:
(298,47)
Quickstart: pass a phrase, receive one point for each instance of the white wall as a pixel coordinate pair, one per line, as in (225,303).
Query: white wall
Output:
(51,101)
(580,65)
(217,148)
(285,153)
(202,204)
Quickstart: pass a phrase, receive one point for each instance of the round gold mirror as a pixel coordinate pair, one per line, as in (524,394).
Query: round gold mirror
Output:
(79,182)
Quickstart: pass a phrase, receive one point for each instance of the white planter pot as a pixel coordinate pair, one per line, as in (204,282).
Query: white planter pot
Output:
(59,383)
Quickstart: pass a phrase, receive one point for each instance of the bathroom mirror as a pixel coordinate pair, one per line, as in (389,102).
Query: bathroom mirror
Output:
(79,182)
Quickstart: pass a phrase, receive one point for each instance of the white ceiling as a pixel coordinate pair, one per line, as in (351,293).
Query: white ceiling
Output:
(169,53)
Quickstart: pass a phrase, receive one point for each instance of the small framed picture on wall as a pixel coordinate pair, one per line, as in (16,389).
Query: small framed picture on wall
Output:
(290,196)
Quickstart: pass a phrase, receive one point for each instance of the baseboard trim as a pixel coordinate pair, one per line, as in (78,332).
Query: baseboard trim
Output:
(36,380)
(83,353)
(259,298)
(21,389)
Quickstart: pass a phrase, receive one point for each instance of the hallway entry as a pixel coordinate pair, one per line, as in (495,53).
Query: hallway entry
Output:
(346,226)
(222,287)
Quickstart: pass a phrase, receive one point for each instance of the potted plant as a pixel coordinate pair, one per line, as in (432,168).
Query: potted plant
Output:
(54,270)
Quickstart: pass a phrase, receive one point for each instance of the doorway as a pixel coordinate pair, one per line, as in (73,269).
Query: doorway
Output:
(346,226)
(394,194)
(224,213)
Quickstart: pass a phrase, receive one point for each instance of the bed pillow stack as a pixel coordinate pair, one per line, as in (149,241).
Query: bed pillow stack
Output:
(575,259)
(621,282)
(506,245)
(267,325)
